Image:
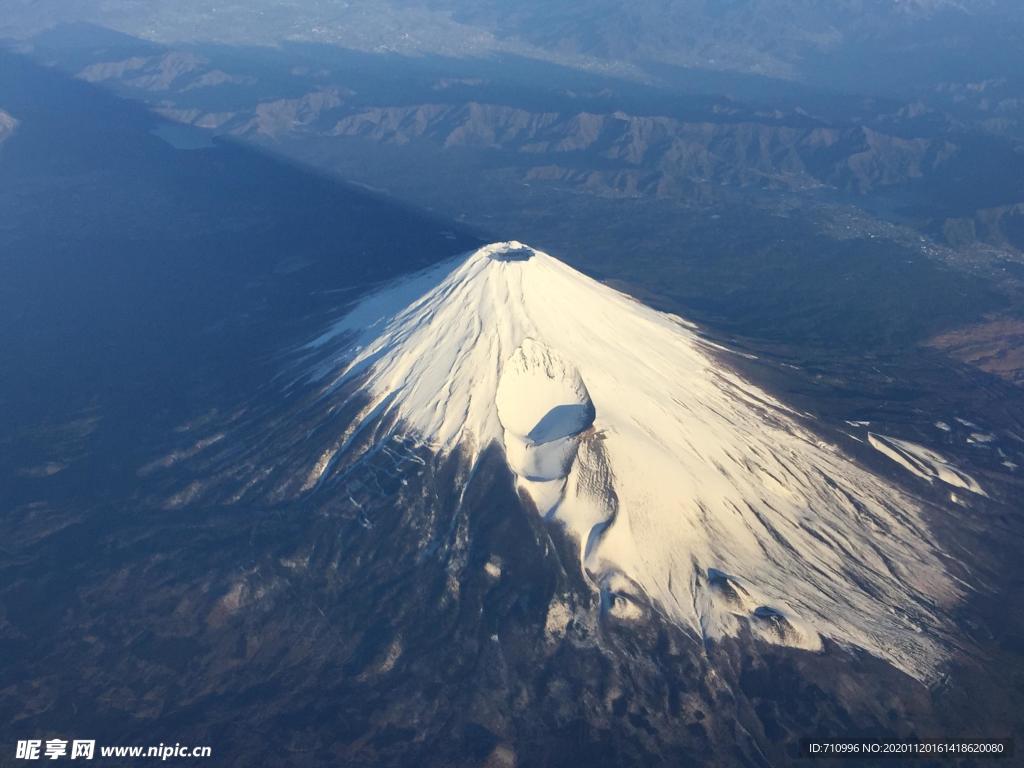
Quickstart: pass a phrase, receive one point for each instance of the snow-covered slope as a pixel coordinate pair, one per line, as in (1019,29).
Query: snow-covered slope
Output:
(925,463)
(679,479)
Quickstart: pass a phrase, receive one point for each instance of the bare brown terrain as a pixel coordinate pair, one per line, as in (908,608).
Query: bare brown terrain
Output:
(995,346)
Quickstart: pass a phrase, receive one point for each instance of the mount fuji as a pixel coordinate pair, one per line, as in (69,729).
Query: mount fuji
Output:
(687,489)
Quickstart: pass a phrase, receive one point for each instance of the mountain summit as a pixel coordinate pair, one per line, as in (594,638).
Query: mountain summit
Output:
(690,490)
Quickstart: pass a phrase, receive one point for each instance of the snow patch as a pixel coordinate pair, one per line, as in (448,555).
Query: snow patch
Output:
(543,406)
(924,462)
(557,621)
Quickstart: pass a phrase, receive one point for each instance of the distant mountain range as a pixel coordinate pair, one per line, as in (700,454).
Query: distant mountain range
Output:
(895,44)
(942,159)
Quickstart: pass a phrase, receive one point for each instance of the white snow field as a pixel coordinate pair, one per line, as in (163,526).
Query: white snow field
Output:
(678,478)
(924,462)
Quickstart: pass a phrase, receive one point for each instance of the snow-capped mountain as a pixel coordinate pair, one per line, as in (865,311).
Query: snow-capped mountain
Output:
(687,487)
